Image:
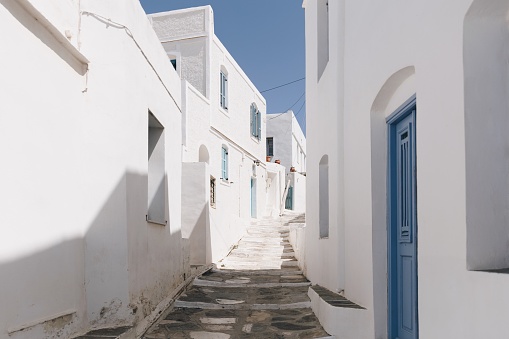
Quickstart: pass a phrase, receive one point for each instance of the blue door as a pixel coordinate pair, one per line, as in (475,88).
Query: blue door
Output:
(289,199)
(253,198)
(403,317)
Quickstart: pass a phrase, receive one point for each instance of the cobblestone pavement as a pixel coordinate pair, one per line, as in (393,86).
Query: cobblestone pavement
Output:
(257,291)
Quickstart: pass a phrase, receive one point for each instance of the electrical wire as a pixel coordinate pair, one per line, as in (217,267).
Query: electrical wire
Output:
(288,83)
(290,127)
(130,34)
(300,109)
(289,108)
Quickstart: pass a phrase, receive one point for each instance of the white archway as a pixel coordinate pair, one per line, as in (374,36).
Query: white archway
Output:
(396,90)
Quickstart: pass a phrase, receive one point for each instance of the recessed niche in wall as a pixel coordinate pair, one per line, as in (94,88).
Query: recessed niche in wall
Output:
(486,74)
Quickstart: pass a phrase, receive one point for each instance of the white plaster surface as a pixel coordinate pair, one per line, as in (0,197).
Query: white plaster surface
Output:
(195,211)
(75,246)
(209,127)
(298,182)
(289,140)
(461,129)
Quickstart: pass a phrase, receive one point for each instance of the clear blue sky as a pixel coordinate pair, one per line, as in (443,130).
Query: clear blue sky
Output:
(266,38)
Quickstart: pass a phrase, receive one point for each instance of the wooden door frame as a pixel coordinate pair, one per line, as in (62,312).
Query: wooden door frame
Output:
(392,120)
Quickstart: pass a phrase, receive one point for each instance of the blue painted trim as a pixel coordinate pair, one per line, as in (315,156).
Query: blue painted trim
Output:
(402,111)
(392,120)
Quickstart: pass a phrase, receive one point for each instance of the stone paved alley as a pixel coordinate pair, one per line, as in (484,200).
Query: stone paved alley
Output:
(257,291)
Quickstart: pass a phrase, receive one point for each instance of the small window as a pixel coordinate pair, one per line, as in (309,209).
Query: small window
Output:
(223,90)
(323,35)
(212,191)
(156,172)
(174,63)
(323,197)
(224,163)
(256,122)
(270,146)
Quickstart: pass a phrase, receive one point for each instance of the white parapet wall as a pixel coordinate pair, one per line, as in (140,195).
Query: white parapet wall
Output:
(344,323)
(297,238)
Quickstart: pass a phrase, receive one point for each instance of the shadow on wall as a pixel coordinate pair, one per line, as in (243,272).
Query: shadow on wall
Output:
(114,275)
(200,244)
(196,192)
(36,27)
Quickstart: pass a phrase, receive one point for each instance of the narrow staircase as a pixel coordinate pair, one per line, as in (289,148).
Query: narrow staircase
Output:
(257,291)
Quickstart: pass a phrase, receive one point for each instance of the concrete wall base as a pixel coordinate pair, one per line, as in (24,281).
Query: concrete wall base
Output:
(345,323)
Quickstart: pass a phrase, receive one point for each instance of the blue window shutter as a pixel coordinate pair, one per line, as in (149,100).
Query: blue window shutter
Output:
(221,89)
(252,120)
(224,163)
(258,124)
(225,92)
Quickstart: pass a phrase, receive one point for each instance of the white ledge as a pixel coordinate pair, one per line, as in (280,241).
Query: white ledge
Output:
(34,12)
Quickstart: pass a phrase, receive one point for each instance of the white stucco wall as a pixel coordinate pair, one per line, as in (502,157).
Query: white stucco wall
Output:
(371,72)
(78,248)
(275,188)
(324,132)
(207,126)
(298,182)
(289,140)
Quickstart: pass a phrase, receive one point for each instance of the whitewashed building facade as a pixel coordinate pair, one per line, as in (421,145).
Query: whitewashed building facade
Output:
(223,135)
(90,121)
(407,194)
(286,142)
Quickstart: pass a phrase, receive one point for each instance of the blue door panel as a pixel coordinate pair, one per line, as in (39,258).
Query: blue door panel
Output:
(406,293)
(402,250)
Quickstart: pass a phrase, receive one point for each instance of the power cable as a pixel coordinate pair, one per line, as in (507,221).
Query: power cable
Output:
(131,35)
(277,116)
(288,83)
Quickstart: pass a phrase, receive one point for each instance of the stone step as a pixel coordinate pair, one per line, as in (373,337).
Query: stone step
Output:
(223,296)
(264,244)
(257,259)
(212,306)
(208,283)
(287,271)
(255,253)
(267,231)
(259,246)
(272,242)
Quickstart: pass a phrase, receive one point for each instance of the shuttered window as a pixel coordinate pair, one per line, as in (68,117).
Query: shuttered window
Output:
(256,122)
(270,146)
(224,163)
(223,90)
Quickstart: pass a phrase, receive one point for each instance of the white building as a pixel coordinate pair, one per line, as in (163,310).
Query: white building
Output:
(90,121)
(223,136)
(287,143)
(408,193)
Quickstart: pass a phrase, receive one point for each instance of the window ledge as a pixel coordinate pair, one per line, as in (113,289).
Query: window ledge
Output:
(255,139)
(226,182)
(224,111)
(161,223)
